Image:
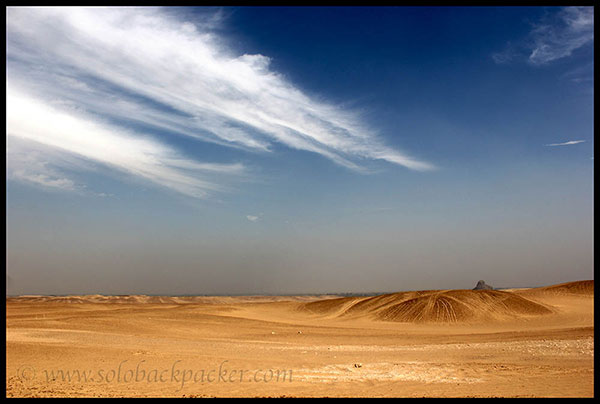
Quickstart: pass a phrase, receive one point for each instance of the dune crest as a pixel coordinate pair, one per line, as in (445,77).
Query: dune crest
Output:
(449,306)
(579,288)
(462,306)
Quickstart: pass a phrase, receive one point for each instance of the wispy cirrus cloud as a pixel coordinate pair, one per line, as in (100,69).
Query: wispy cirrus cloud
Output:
(107,70)
(44,179)
(570,142)
(555,36)
(506,56)
(31,122)
(581,74)
(558,37)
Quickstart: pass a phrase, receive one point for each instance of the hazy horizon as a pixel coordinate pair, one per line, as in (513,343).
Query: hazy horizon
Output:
(298,150)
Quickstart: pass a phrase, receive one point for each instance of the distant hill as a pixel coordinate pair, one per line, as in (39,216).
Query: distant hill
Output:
(481,285)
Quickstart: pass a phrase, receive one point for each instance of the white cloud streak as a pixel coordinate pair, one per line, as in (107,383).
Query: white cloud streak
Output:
(570,142)
(33,121)
(555,36)
(150,68)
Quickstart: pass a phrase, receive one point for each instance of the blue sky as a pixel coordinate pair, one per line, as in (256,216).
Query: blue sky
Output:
(298,150)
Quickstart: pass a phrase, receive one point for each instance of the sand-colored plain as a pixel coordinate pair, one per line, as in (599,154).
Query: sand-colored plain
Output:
(454,343)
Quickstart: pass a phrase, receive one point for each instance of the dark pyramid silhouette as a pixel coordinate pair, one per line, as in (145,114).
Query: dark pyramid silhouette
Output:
(481,285)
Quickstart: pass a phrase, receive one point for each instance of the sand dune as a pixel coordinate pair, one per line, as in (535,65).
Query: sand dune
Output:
(579,288)
(436,343)
(428,306)
(433,306)
(463,305)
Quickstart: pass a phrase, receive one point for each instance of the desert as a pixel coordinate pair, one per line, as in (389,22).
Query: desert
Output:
(304,202)
(522,342)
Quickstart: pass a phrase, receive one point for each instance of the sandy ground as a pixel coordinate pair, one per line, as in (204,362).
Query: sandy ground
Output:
(533,343)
